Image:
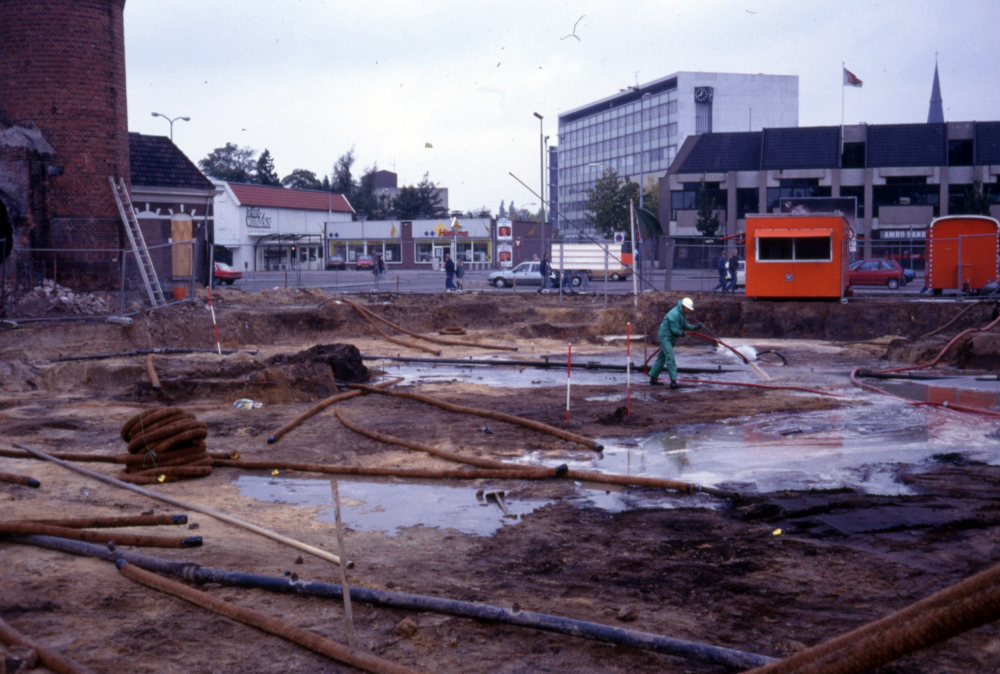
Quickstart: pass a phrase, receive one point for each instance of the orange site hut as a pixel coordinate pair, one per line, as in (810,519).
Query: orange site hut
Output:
(791,255)
(966,241)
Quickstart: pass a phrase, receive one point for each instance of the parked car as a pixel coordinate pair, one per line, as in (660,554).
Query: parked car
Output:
(364,262)
(741,274)
(877,273)
(527,273)
(336,262)
(226,274)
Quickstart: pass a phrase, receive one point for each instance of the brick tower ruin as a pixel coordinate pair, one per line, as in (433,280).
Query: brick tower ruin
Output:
(63,131)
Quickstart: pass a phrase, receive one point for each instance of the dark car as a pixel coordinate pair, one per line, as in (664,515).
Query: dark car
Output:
(226,274)
(364,262)
(336,262)
(882,272)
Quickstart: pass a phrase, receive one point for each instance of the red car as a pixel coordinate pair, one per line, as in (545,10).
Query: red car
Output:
(226,274)
(881,272)
(364,262)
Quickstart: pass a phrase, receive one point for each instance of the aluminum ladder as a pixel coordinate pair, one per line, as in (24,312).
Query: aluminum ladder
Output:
(146,269)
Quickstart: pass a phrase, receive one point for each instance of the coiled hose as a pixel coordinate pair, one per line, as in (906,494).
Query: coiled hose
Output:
(165,444)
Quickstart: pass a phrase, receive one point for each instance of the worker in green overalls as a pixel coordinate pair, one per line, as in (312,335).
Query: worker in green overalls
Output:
(671,329)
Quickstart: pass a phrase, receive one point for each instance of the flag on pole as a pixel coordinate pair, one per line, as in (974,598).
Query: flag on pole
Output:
(850,79)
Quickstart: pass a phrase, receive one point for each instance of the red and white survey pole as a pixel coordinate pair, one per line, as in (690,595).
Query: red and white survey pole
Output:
(628,368)
(569,365)
(214,324)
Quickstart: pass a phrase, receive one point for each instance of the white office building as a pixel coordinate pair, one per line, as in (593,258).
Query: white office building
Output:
(638,131)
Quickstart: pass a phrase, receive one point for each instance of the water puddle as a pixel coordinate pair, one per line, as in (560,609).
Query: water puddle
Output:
(523,377)
(389,506)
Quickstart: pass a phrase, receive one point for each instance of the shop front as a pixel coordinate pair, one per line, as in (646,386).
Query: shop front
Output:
(412,244)
(905,245)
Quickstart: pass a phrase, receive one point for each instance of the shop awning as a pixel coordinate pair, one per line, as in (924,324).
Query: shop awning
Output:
(793,233)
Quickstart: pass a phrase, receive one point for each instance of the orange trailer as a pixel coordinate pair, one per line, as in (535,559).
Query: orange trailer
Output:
(790,255)
(969,242)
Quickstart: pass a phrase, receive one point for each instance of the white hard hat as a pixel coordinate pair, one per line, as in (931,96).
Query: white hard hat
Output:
(687,304)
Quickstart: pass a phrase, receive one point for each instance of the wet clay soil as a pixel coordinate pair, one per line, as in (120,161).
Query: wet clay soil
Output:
(689,567)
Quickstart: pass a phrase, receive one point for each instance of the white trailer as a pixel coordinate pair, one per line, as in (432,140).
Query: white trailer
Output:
(593,258)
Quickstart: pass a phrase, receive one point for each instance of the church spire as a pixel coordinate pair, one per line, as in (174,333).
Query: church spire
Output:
(935,114)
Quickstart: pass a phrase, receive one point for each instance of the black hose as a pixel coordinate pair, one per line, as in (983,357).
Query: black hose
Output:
(776,353)
(544,364)
(400,600)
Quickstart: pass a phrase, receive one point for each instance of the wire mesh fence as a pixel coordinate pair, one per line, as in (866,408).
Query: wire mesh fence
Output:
(74,283)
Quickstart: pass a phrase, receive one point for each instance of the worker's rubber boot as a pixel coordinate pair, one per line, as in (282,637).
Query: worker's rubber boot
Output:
(673,384)
(653,382)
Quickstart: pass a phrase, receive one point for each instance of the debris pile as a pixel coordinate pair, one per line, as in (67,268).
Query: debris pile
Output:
(50,297)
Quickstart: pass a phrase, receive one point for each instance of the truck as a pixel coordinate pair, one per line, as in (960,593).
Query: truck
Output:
(591,258)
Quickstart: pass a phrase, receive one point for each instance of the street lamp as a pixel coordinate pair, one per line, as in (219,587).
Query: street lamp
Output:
(541,172)
(186,119)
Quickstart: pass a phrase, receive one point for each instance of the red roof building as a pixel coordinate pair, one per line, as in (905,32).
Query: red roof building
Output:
(280,197)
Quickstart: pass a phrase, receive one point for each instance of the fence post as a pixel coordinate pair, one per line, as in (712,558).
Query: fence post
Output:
(121,289)
(605,274)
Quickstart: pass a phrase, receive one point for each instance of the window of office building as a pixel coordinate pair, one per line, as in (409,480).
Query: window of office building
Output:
(956,199)
(687,198)
(992,190)
(858,192)
(960,152)
(794,189)
(905,191)
(747,201)
(854,155)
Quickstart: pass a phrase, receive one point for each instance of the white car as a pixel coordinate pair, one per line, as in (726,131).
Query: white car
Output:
(741,274)
(526,273)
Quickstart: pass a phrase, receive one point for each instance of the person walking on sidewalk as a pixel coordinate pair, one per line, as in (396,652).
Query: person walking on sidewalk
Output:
(449,273)
(672,328)
(459,273)
(721,267)
(544,269)
(734,267)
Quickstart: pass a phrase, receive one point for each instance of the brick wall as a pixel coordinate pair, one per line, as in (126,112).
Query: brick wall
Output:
(62,69)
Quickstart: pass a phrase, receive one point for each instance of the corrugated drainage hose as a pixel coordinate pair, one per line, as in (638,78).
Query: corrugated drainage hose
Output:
(165,444)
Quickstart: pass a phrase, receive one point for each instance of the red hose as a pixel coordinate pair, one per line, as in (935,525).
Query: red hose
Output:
(924,366)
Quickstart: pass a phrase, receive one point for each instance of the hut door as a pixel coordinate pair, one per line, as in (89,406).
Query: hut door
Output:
(181,227)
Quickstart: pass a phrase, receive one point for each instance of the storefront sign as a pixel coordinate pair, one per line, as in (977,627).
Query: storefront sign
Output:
(904,234)
(505,254)
(257,219)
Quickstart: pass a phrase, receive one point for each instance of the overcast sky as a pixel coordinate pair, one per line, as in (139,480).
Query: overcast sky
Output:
(309,79)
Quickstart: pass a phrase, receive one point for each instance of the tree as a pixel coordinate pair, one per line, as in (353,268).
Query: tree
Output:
(420,201)
(977,203)
(503,212)
(607,203)
(230,163)
(708,219)
(511,211)
(263,173)
(301,179)
(481,212)
(341,181)
(651,197)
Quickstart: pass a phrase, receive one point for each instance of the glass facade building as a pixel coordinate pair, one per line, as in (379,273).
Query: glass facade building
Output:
(639,131)
(635,138)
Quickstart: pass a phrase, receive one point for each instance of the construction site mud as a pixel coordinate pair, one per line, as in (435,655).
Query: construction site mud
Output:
(851,504)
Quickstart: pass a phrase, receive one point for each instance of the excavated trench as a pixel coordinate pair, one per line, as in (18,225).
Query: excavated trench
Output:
(876,503)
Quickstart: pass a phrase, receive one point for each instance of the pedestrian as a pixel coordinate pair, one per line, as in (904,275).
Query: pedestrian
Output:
(721,267)
(449,273)
(671,329)
(544,269)
(459,273)
(734,267)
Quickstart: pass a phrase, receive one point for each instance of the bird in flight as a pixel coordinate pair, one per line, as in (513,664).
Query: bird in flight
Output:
(573,34)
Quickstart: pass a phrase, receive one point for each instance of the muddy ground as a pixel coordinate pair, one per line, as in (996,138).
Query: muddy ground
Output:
(687,567)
